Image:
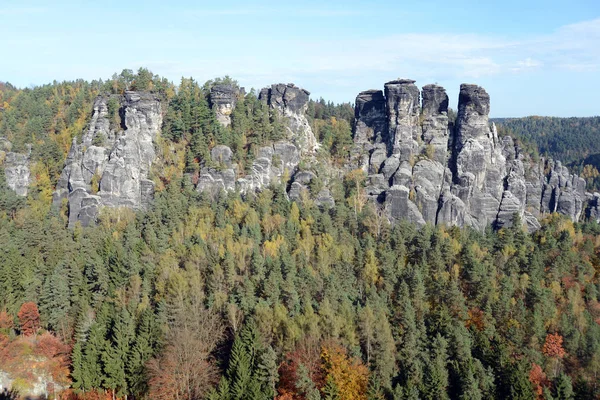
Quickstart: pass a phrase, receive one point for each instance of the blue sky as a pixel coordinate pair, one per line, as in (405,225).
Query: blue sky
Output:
(533,57)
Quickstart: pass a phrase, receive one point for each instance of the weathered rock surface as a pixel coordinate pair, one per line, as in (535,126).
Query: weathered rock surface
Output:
(403,110)
(16,171)
(292,102)
(424,168)
(109,166)
(277,162)
(223,99)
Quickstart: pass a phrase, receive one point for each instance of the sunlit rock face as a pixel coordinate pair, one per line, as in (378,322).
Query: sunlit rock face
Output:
(426,169)
(109,166)
(291,102)
(223,99)
(16,172)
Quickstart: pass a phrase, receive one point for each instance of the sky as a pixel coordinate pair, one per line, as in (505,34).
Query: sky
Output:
(533,57)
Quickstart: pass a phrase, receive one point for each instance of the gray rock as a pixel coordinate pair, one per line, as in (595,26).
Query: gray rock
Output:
(292,102)
(593,206)
(213,181)
(304,177)
(403,108)
(473,110)
(435,122)
(110,166)
(376,185)
(508,207)
(223,99)
(403,175)
(16,171)
(275,163)
(378,156)
(390,166)
(399,206)
(221,155)
(370,124)
(325,199)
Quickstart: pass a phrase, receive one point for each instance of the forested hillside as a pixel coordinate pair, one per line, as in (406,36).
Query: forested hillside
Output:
(223,297)
(574,141)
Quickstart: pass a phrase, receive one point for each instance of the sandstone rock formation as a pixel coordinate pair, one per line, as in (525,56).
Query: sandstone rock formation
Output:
(424,168)
(421,166)
(223,99)
(16,168)
(292,102)
(109,166)
(272,164)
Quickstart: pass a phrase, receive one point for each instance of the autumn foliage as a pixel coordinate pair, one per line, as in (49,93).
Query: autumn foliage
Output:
(553,346)
(6,322)
(28,357)
(538,379)
(349,375)
(327,366)
(306,354)
(29,318)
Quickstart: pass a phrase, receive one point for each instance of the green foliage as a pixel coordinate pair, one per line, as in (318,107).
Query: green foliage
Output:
(432,312)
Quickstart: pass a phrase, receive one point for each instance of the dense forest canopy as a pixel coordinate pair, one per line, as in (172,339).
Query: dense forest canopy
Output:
(260,297)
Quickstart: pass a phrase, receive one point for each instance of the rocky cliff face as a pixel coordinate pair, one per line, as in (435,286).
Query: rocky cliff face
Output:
(421,167)
(292,102)
(424,169)
(223,99)
(110,165)
(16,168)
(272,164)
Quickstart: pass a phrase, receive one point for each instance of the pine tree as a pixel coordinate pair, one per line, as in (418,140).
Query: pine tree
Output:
(563,387)
(436,376)
(115,355)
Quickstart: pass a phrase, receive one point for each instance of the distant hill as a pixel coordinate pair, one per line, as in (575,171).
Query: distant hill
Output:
(574,141)
(566,139)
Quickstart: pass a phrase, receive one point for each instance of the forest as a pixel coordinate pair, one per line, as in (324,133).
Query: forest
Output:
(574,141)
(259,297)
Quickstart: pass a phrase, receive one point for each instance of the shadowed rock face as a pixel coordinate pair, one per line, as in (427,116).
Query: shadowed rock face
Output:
(429,170)
(110,166)
(292,102)
(370,117)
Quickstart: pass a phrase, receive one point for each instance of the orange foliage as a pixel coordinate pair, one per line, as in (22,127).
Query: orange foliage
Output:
(6,321)
(28,357)
(349,375)
(29,318)
(538,379)
(4,340)
(476,317)
(306,354)
(553,346)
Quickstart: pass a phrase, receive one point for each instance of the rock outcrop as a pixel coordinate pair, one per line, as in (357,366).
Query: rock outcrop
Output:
(426,169)
(292,102)
(16,168)
(223,99)
(420,166)
(110,165)
(274,163)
